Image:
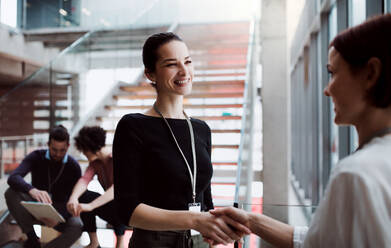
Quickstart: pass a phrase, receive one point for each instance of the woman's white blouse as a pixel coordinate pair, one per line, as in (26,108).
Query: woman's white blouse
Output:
(356,208)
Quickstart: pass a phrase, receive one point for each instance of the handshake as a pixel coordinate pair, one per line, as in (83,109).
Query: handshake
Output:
(224,225)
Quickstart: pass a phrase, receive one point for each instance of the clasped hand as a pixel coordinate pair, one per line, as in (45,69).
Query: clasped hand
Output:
(75,208)
(218,229)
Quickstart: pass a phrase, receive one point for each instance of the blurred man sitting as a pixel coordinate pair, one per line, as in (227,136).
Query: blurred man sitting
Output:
(54,174)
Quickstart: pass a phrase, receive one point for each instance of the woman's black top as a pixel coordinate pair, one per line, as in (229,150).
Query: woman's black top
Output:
(149,169)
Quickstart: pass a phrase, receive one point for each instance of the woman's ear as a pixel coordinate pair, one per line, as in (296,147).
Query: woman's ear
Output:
(374,67)
(150,75)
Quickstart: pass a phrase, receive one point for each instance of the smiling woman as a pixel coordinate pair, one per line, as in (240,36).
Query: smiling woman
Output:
(162,160)
(173,72)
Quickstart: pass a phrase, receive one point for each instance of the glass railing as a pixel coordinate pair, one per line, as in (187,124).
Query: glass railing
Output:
(245,173)
(87,15)
(78,82)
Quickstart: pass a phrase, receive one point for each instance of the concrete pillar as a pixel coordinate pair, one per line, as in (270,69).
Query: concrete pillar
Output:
(276,109)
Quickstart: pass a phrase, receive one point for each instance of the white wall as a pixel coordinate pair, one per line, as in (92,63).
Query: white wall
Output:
(217,10)
(294,9)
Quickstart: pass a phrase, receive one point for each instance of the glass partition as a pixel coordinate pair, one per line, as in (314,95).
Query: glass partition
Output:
(92,14)
(78,82)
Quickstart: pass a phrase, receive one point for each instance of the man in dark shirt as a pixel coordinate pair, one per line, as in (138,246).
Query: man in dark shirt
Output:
(54,174)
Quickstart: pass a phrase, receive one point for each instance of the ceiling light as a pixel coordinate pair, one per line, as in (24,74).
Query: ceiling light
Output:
(63,12)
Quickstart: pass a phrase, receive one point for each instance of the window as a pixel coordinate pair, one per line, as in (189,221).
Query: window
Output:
(8,12)
(387,6)
(357,14)
(333,127)
(357,11)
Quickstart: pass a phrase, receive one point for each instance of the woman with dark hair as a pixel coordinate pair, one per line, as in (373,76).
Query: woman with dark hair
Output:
(162,159)
(356,208)
(88,204)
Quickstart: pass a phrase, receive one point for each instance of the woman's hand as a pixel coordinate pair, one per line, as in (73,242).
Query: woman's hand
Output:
(84,208)
(235,218)
(72,206)
(232,215)
(217,230)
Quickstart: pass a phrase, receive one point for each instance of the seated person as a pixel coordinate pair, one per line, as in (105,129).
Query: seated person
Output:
(90,141)
(54,174)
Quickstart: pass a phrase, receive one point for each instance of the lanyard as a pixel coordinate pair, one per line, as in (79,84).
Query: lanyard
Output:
(192,178)
(375,135)
(56,179)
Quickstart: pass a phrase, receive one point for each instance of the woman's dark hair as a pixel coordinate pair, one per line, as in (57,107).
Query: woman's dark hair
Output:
(90,139)
(59,133)
(151,46)
(360,43)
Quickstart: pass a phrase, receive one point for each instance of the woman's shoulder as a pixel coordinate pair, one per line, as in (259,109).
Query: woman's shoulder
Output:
(371,165)
(200,123)
(132,117)
(133,120)
(373,157)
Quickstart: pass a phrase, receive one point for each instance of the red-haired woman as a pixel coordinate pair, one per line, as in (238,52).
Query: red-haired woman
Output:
(356,209)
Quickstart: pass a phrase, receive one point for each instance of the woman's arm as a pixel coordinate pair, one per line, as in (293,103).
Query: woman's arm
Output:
(271,230)
(211,227)
(73,202)
(101,200)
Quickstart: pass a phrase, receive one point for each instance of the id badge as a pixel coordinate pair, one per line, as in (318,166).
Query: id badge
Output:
(194,207)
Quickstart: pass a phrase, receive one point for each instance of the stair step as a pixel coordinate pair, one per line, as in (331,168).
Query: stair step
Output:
(225,117)
(225,163)
(223,73)
(225,130)
(213,147)
(225,146)
(213,131)
(219,57)
(223,202)
(85,162)
(200,95)
(224,180)
(195,83)
(197,86)
(186,106)
(221,67)
(225,173)
(48,118)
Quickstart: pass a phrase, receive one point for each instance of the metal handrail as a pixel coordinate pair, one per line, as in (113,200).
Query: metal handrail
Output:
(245,106)
(4,216)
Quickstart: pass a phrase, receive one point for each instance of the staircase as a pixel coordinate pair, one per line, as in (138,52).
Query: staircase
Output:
(219,54)
(219,59)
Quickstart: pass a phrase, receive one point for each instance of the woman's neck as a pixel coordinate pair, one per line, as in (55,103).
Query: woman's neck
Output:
(93,156)
(376,121)
(170,107)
